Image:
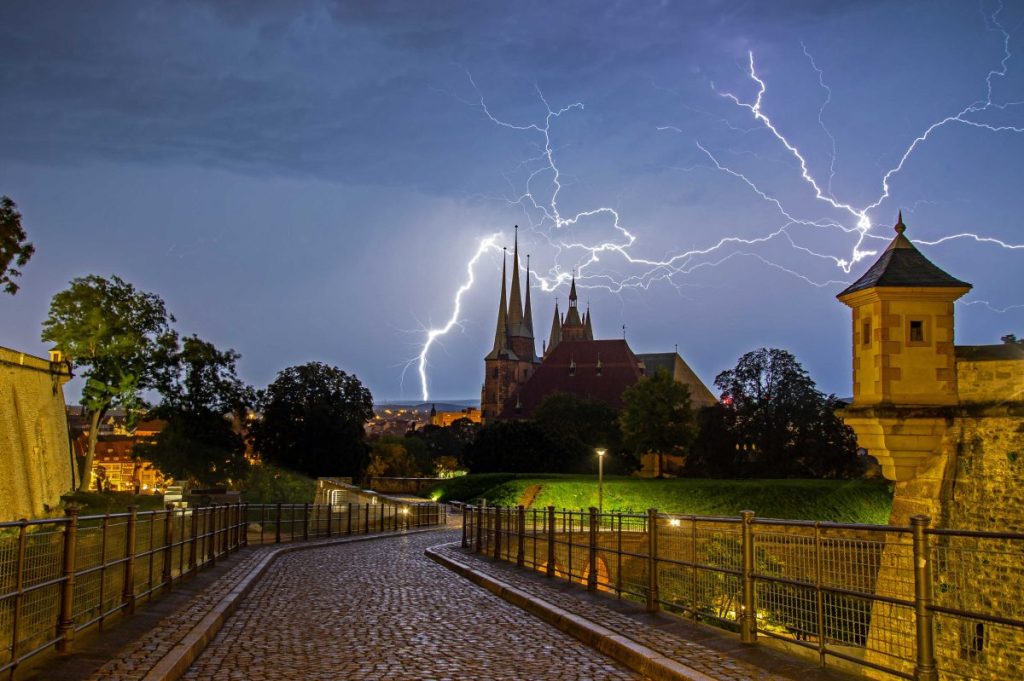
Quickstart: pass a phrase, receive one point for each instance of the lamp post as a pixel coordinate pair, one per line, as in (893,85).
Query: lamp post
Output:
(600,479)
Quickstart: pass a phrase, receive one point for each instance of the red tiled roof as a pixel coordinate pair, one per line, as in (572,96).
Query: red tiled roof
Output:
(619,370)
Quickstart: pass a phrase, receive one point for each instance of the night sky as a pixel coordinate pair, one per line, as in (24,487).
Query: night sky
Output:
(307,180)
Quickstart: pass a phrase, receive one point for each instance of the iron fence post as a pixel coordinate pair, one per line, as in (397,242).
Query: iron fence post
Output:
(381,528)
(244,529)
(128,593)
(349,519)
(652,560)
(305,522)
(465,518)
(66,619)
(521,536)
(592,557)
(277,526)
(330,510)
(479,529)
(497,532)
(551,541)
(925,669)
(211,536)
(819,596)
(194,541)
(165,577)
(366,520)
(748,618)
(19,585)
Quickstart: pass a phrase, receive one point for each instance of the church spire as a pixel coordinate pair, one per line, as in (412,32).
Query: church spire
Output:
(586,323)
(515,303)
(527,312)
(572,316)
(556,330)
(501,332)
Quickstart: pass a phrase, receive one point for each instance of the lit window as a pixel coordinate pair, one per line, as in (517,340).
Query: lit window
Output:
(916,331)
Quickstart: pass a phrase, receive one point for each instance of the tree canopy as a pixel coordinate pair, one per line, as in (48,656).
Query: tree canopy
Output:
(510,447)
(117,337)
(782,424)
(576,427)
(657,417)
(200,391)
(14,245)
(313,420)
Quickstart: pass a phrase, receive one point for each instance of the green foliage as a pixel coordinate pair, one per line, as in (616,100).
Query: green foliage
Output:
(313,418)
(13,245)
(511,446)
(576,427)
(450,441)
(116,337)
(656,416)
(200,389)
(389,457)
(266,484)
(781,424)
(850,501)
(95,503)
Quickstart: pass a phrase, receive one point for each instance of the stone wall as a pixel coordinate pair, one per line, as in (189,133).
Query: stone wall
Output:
(990,381)
(35,456)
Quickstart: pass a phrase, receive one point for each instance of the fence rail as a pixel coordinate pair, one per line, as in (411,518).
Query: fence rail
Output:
(61,576)
(907,602)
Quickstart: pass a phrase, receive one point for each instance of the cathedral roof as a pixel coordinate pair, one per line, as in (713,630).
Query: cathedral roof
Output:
(572,367)
(902,265)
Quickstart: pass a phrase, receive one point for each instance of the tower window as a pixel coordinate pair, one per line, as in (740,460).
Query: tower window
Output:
(865,333)
(916,331)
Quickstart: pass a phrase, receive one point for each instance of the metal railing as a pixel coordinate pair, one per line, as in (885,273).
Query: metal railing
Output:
(60,576)
(907,602)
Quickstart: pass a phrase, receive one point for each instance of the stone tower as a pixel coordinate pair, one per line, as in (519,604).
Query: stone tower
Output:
(514,354)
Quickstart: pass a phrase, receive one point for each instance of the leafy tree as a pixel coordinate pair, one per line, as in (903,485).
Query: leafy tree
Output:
(714,453)
(577,426)
(1011,339)
(389,457)
(201,390)
(13,245)
(118,337)
(313,419)
(510,447)
(784,425)
(657,417)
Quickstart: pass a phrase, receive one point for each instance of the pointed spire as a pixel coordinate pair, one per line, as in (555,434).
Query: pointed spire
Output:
(556,331)
(515,301)
(900,227)
(572,291)
(587,324)
(501,331)
(572,316)
(528,312)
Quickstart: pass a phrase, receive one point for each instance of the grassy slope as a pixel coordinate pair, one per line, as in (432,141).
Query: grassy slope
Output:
(95,503)
(854,501)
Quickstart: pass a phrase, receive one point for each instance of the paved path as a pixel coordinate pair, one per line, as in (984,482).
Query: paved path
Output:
(381,610)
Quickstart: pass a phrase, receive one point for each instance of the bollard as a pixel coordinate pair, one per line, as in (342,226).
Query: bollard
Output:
(66,619)
(925,669)
(165,577)
(748,616)
(521,537)
(592,557)
(128,593)
(551,541)
(652,560)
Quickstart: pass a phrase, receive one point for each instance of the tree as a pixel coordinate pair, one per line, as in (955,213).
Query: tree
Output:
(118,337)
(389,457)
(313,419)
(13,245)
(657,417)
(577,426)
(201,390)
(510,447)
(783,424)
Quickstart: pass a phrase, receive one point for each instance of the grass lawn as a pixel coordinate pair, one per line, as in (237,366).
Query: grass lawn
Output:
(848,501)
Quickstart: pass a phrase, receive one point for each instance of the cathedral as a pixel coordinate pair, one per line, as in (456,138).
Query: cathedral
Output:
(516,379)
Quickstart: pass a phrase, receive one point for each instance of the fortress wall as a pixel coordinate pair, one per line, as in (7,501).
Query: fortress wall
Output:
(35,459)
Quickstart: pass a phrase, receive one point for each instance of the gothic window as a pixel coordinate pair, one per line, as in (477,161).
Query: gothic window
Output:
(973,641)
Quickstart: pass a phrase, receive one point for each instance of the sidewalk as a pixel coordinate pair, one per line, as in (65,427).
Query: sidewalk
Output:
(654,644)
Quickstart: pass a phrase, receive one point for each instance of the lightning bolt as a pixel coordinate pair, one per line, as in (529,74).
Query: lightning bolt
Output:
(548,220)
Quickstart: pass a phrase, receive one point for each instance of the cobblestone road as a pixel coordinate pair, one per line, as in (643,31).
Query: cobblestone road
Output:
(381,610)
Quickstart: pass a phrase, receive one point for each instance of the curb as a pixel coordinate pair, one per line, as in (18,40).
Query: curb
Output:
(626,651)
(180,657)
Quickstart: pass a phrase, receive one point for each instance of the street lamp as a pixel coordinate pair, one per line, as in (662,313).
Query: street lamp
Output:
(600,479)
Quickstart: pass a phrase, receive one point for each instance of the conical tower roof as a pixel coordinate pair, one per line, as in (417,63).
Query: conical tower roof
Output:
(515,303)
(572,316)
(902,265)
(527,327)
(501,331)
(586,323)
(556,331)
